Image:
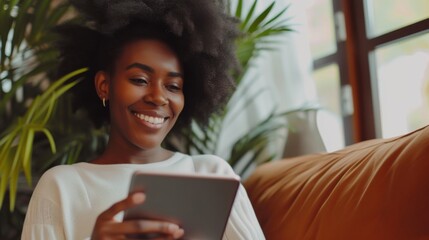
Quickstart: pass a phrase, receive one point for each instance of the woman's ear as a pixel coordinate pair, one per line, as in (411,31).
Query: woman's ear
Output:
(102,84)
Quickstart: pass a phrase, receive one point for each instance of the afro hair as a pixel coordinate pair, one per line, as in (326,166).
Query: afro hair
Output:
(200,32)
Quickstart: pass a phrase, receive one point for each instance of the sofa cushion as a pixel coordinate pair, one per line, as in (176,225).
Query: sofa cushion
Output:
(377,189)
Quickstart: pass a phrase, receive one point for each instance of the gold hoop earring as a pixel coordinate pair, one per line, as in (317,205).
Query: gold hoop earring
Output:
(104,102)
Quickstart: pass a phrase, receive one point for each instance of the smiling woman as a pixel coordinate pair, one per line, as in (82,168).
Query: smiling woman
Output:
(153,67)
(145,96)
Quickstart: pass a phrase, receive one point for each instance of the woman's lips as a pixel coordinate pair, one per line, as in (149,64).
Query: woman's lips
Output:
(151,121)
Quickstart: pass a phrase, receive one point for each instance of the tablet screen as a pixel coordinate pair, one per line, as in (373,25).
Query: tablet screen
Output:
(200,204)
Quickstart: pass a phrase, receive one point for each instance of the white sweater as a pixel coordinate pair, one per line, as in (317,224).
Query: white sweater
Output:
(68,199)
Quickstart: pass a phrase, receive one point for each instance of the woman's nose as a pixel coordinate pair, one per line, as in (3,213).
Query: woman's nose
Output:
(155,95)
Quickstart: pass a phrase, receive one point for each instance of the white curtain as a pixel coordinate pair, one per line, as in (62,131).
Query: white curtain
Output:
(282,78)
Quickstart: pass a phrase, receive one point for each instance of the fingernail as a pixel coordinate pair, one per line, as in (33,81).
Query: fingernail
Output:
(138,197)
(173,228)
(179,233)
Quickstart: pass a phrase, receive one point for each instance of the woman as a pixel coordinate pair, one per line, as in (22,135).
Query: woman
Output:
(155,65)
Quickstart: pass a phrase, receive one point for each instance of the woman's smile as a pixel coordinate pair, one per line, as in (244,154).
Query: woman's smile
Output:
(145,93)
(153,120)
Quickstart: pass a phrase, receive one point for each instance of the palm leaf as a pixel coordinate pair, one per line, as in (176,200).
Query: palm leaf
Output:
(276,17)
(239,9)
(41,11)
(57,13)
(34,120)
(255,32)
(19,44)
(21,23)
(249,15)
(256,23)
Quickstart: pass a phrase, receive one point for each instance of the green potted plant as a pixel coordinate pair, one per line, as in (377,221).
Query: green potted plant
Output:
(28,101)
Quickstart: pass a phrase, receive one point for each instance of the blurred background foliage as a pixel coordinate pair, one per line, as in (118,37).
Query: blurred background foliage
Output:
(37,126)
(257,32)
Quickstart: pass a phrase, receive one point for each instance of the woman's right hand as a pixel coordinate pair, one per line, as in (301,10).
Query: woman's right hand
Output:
(106,227)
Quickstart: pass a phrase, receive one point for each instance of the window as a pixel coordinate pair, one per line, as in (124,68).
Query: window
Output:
(383,16)
(381,59)
(402,80)
(327,52)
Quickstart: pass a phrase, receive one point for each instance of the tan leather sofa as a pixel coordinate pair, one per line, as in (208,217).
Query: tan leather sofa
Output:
(377,189)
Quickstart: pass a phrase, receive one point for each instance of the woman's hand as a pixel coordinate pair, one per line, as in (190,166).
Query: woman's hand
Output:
(106,228)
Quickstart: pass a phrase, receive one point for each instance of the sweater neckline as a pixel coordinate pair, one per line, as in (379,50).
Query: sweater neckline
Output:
(170,161)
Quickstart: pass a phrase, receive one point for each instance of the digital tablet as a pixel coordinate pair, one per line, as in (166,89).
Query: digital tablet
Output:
(200,204)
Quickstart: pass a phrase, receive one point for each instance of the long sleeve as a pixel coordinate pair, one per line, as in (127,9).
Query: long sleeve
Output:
(243,224)
(42,221)
(56,206)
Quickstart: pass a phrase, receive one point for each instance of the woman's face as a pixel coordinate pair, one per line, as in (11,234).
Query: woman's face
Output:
(145,93)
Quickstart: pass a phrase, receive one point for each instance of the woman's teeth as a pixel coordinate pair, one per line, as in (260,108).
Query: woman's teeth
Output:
(149,119)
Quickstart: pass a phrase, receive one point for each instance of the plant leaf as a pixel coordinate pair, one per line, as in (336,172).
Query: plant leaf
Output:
(275,17)
(13,160)
(249,15)
(239,9)
(4,179)
(20,25)
(256,23)
(27,155)
(51,139)
(40,13)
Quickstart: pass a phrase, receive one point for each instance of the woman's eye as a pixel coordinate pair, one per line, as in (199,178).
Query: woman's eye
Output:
(174,88)
(139,80)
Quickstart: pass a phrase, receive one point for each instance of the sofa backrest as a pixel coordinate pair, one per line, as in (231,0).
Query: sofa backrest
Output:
(377,189)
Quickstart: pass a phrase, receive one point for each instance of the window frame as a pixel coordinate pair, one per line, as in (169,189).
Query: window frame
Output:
(355,56)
